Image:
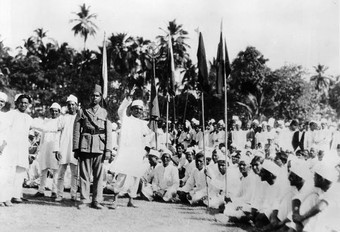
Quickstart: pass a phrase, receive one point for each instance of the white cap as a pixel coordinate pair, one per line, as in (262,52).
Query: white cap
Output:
(221,122)
(72,98)
(323,120)
(154,153)
(270,166)
(138,103)
(17,96)
(55,106)
(280,122)
(208,152)
(114,126)
(327,171)
(189,149)
(235,118)
(300,168)
(238,122)
(271,122)
(166,151)
(246,159)
(256,122)
(3,96)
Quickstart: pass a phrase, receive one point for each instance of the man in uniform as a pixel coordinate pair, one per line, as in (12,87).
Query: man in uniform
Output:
(92,138)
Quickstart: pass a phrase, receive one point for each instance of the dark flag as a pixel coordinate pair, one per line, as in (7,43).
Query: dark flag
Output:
(202,66)
(171,69)
(223,65)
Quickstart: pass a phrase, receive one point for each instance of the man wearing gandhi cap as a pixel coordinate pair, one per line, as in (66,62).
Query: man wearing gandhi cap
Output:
(166,180)
(65,154)
(147,178)
(48,148)
(304,208)
(134,136)
(92,144)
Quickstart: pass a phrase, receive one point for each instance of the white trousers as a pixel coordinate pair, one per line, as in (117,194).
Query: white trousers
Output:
(20,174)
(61,177)
(7,174)
(43,179)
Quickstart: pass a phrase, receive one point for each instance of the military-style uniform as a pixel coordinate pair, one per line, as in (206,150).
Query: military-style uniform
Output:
(92,137)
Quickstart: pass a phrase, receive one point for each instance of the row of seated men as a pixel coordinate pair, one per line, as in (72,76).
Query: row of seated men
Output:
(282,192)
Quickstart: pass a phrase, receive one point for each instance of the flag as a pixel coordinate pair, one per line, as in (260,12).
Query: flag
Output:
(202,65)
(227,62)
(223,64)
(104,71)
(154,107)
(171,69)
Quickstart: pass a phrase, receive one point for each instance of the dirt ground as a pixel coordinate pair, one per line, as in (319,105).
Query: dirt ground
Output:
(43,214)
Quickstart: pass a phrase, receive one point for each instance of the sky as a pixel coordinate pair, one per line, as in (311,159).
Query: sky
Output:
(303,32)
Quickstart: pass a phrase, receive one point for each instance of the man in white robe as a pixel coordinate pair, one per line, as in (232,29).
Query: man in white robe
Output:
(65,154)
(18,143)
(147,178)
(134,136)
(195,188)
(165,182)
(7,168)
(47,156)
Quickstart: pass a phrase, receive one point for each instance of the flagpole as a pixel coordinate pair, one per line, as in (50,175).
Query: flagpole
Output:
(204,163)
(226,131)
(167,119)
(154,76)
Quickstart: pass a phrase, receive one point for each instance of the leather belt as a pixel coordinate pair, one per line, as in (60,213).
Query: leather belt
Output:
(94,131)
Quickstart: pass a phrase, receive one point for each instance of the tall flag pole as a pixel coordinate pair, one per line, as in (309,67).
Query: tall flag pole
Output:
(204,87)
(153,52)
(104,70)
(171,84)
(223,72)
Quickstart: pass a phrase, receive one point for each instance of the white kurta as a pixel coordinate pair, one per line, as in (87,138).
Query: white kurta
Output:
(49,143)
(196,185)
(166,178)
(65,145)
(7,169)
(18,144)
(134,136)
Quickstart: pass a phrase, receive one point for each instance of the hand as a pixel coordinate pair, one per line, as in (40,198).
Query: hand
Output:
(132,91)
(76,154)
(297,218)
(58,156)
(107,155)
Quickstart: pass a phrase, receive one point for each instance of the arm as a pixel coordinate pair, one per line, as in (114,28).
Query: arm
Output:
(76,131)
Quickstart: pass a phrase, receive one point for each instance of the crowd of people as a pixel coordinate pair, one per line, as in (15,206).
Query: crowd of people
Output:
(274,174)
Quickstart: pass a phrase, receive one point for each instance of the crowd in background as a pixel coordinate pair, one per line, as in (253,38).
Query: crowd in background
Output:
(274,174)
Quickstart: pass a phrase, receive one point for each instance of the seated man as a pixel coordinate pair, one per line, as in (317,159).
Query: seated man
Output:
(217,184)
(166,181)
(147,178)
(189,166)
(304,204)
(195,188)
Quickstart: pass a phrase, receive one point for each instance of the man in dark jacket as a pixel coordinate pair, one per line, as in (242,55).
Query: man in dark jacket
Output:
(92,143)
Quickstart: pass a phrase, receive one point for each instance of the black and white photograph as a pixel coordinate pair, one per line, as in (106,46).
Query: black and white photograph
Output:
(169,115)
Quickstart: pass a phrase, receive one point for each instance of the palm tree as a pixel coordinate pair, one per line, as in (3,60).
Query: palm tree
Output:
(322,82)
(84,26)
(178,36)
